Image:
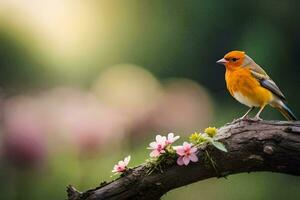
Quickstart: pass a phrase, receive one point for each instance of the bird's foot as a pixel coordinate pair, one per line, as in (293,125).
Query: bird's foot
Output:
(256,119)
(236,120)
(244,118)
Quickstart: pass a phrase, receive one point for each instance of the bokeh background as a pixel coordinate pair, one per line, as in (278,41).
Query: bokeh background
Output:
(85,83)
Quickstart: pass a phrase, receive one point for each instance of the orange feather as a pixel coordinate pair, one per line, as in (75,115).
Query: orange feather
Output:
(240,80)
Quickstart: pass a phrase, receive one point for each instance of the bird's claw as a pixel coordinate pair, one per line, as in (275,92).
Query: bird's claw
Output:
(240,119)
(246,118)
(256,119)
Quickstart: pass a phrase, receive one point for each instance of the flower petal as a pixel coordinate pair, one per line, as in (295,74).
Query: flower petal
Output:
(115,169)
(170,136)
(154,153)
(158,138)
(193,150)
(121,163)
(186,145)
(193,158)
(180,151)
(180,161)
(186,160)
(176,138)
(152,145)
(126,160)
(163,140)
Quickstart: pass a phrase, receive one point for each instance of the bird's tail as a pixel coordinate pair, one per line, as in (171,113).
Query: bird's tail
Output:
(285,111)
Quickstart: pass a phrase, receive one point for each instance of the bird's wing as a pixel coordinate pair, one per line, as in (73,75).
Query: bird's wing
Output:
(257,69)
(265,81)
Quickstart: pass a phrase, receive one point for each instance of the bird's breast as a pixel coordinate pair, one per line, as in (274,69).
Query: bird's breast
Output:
(243,99)
(246,89)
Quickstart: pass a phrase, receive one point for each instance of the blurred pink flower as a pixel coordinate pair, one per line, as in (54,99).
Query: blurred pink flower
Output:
(186,154)
(24,143)
(83,121)
(158,146)
(122,165)
(171,139)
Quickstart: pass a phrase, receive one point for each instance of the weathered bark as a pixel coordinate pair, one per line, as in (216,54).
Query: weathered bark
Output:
(252,146)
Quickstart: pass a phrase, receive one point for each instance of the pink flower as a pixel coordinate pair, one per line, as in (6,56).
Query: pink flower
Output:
(158,146)
(171,139)
(121,166)
(186,154)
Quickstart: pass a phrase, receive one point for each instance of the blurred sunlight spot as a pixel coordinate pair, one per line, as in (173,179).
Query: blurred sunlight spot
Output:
(184,108)
(128,87)
(62,29)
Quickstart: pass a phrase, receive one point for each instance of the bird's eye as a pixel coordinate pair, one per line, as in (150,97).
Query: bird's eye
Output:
(234,59)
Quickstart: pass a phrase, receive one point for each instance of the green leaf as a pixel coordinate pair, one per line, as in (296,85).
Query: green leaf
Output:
(219,146)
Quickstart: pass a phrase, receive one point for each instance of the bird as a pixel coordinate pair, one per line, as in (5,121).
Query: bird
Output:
(250,85)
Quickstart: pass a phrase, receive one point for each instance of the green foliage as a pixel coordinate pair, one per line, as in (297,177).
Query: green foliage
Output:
(219,145)
(199,139)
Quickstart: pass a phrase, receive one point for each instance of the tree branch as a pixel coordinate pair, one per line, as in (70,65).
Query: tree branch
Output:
(252,146)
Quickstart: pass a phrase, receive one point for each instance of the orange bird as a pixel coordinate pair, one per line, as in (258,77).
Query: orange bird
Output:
(249,84)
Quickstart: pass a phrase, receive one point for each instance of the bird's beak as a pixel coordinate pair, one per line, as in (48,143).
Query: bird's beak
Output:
(222,61)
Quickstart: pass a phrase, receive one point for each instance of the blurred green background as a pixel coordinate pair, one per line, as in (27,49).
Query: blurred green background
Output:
(85,83)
